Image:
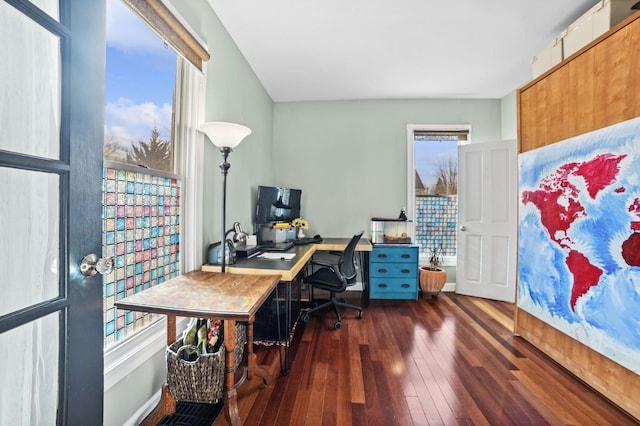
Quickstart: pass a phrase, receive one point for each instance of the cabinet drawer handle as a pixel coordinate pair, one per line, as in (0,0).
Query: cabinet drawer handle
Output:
(405,271)
(382,256)
(405,285)
(382,285)
(405,255)
(382,270)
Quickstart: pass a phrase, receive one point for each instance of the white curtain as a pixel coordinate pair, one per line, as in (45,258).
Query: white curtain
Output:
(30,122)
(189,142)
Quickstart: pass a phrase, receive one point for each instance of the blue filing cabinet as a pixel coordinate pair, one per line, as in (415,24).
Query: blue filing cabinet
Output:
(393,271)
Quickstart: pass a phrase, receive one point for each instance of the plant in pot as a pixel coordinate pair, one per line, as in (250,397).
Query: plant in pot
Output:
(433,276)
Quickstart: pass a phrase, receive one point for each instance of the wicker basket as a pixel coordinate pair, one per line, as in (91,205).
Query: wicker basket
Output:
(201,380)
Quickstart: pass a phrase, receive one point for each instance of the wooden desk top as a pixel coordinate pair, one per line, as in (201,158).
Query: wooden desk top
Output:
(288,269)
(205,294)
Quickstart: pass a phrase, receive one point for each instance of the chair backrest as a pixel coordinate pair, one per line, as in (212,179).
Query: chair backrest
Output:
(347,262)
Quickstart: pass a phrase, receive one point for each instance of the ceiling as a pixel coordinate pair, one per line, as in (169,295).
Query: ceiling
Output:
(388,49)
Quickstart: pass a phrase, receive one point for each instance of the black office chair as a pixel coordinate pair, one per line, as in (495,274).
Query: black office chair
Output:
(335,278)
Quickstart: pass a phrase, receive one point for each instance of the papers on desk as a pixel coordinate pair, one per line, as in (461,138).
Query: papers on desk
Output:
(276,256)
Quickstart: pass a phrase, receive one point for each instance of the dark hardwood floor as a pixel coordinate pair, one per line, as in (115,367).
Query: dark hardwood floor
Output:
(452,360)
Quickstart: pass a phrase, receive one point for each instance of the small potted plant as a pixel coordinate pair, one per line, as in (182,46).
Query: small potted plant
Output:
(433,276)
(300,224)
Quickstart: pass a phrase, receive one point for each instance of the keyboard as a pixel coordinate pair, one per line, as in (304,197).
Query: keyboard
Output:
(277,246)
(304,241)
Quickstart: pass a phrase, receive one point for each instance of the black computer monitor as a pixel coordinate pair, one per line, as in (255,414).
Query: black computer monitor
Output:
(276,204)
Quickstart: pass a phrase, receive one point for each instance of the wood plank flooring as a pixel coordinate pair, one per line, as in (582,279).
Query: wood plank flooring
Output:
(451,360)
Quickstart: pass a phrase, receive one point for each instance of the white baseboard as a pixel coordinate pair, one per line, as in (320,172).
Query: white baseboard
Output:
(449,287)
(145,410)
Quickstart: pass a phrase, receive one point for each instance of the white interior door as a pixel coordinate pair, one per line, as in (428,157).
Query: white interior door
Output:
(487,220)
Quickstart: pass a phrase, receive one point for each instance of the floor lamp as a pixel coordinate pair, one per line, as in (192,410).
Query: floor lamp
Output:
(226,136)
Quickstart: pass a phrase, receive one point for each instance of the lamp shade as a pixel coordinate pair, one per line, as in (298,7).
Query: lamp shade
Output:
(223,134)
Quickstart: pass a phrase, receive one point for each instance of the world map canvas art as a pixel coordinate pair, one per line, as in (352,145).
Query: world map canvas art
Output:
(579,239)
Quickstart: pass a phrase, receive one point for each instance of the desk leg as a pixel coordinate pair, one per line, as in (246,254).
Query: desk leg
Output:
(364,263)
(287,337)
(230,394)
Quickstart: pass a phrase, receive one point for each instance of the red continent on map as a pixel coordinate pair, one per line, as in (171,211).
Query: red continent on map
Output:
(631,249)
(585,275)
(600,172)
(559,206)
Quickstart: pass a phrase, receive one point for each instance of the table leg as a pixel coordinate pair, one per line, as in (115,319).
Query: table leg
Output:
(252,365)
(251,357)
(230,394)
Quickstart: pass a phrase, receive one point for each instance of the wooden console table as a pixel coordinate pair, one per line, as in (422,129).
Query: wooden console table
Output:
(229,297)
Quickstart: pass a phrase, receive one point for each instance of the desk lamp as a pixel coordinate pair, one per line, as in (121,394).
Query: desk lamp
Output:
(225,136)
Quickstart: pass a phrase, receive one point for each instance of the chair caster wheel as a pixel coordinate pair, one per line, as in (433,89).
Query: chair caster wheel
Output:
(305,318)
(337,325)
(359,314)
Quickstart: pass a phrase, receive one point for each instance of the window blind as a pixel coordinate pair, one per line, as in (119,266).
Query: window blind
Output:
(461,135)
(167,26)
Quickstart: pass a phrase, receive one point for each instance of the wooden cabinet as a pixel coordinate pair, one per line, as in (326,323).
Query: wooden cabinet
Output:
(393,271)
(595,88)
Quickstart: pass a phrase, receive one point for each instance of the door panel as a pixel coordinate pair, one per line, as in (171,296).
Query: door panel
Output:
(469,252)
(34,124)
(34,235)
(487,220)
(499,252)
(51,168)
(33,348)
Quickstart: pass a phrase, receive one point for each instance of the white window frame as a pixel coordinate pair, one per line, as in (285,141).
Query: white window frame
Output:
(125,357)
(411,170)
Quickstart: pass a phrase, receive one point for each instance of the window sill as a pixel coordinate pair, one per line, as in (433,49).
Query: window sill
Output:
(125,357)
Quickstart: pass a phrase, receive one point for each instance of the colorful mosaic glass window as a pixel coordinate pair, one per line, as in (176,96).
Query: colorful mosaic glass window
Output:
(141,229)
(436,223)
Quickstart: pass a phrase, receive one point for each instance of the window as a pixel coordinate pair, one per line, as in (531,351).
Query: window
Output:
(142,205)
(433,184)
(143,38)
(140,77)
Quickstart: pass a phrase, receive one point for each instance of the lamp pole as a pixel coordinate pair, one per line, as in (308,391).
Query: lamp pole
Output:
(224,168)
(225,136)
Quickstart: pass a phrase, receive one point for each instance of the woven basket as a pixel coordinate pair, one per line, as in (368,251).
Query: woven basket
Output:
(201,380)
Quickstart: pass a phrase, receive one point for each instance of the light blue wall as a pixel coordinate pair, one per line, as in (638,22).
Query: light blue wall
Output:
(350,157)
(233,94)
(509,117)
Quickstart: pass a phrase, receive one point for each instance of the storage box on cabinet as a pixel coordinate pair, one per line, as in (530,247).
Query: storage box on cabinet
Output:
(588,27)
(393,271)
(595,22)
